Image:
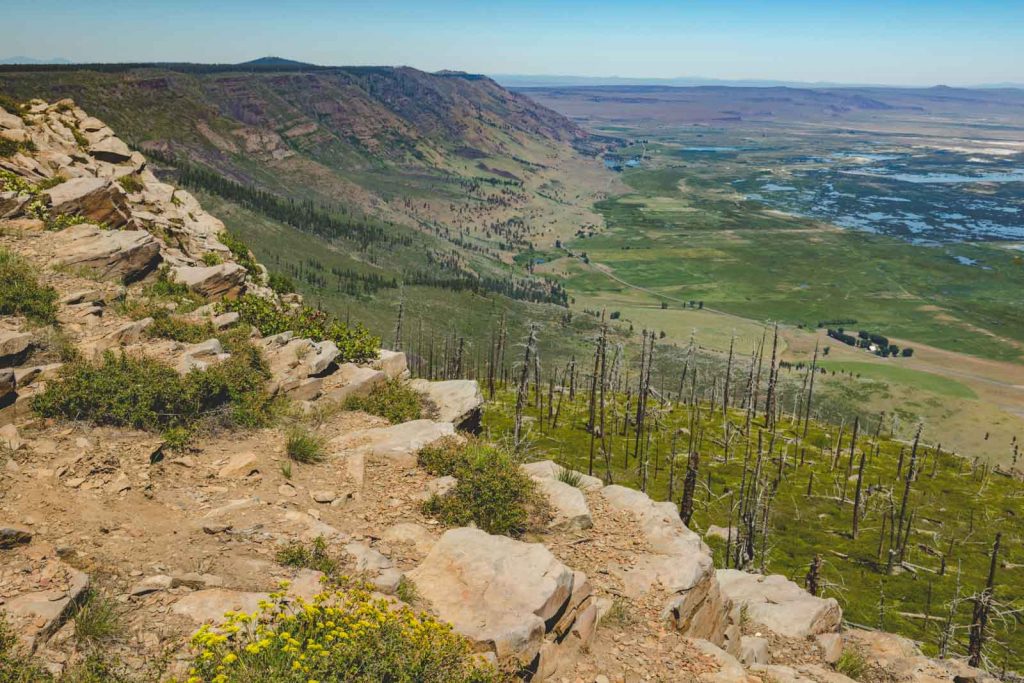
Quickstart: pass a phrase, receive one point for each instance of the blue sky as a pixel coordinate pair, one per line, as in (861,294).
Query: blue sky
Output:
(896,42)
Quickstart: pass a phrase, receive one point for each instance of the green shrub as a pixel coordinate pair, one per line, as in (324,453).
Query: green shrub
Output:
(304,446)
(393,399)
(21,293)
(445,457)
(143,393)
(167,326)
(239,252)
(355,344)
(131,183)
(342,635)
(212,258)
(281,283)
(314,556)
(492,492)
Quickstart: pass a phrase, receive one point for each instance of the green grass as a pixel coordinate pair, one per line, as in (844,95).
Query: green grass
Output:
(957,506)
(98,620)
(890,372)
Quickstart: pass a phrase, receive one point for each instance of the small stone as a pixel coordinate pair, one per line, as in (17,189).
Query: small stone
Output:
(323,496)
(216,528)
(151,584)
(239,466)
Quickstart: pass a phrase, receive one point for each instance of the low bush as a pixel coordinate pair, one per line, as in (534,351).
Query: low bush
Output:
(304,446)
(21,293)
(312,556)
(281,283)
(239,252)
(492,492)
(355,344)
(445,457)
(393,399)
(126,391)
(65,220)
(342,635)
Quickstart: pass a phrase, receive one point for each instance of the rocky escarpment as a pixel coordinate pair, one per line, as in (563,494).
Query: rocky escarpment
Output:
(614,587)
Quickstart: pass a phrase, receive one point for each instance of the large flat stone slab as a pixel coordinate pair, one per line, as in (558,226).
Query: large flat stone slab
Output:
(399,443)
(458,401)
(125,254)
(779,605)
(498,592)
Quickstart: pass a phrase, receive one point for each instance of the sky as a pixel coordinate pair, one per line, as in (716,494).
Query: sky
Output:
(897,42)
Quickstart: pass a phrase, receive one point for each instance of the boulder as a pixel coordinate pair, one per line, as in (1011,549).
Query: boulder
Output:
(778,605)
(367,559)
(11,439)
(351,380)
(99,200)
(569,506)
(14,346)
(112,150)
(223,281)
(458,401)
(151,584)
(399,443)
(125,254)
(902,659)
(13,204)
(549,469)
(831,646)
(392,363)
(321,358)
(498,592)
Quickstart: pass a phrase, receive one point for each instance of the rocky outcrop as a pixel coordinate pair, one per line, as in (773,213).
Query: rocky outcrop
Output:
(122,254)
(458,401)
(100,200)
(508,597)
(549,469)
(778,605)
(43,593)
(223,281)
(680,563)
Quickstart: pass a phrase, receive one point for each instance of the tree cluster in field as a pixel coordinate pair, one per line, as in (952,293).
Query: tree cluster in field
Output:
(866,340)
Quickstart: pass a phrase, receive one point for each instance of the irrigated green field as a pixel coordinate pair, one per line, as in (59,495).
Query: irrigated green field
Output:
(683,234)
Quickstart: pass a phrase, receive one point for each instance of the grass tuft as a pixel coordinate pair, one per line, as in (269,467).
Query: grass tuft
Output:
(304,446)
(21,293)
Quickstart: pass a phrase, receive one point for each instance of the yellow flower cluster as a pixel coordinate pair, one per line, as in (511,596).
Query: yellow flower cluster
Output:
(343,634)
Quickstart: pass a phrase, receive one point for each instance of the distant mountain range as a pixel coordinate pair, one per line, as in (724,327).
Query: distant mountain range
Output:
(555,81)
(33,60)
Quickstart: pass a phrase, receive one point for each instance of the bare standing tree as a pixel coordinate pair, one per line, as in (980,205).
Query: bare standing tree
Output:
(522,390)
(982,607)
